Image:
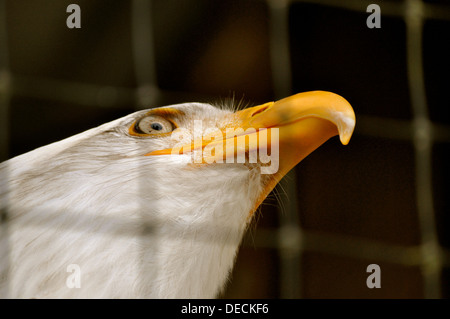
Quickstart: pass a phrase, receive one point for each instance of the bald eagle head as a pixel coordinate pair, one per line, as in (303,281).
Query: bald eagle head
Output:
(153,204)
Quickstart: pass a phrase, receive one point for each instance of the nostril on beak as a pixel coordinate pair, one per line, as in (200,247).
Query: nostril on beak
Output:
(262,109)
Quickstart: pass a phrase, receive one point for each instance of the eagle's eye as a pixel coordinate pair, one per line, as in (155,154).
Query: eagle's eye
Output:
(153,124)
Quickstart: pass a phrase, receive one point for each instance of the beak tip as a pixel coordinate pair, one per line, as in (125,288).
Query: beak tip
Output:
(344,140)
(346,127)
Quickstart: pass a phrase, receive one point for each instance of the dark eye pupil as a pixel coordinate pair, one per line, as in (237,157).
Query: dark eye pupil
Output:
(157,126)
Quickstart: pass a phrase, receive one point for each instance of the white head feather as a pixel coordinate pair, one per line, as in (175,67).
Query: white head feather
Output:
(137,226)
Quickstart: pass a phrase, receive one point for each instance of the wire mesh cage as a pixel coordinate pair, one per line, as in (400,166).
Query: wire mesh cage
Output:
(380,200)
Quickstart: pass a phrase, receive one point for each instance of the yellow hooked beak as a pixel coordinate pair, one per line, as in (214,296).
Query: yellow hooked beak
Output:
(304,122)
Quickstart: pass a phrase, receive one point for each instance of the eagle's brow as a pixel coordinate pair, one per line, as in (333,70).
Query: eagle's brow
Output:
(166,112)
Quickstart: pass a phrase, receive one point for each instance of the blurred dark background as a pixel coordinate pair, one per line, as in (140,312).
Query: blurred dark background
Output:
(383,199)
